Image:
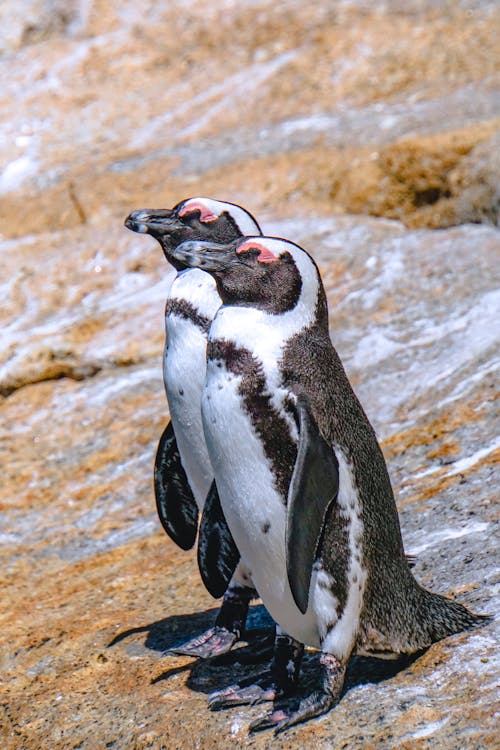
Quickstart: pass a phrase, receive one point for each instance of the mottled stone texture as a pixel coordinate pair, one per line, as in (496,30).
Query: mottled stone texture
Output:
(314,116)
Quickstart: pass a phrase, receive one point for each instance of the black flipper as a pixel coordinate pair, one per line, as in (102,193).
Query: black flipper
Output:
(314,485)
(177,508)
(218,555)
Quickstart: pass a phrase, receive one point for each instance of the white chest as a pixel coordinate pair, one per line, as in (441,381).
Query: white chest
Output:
(184,368)
(252,506)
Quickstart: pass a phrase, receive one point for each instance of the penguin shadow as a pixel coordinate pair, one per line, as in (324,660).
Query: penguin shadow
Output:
(361,670)
(205,675)
(365,670)
(208,676)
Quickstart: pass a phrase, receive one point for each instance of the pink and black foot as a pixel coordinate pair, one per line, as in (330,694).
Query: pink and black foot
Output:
(288,713)
(227,631)
(278,683)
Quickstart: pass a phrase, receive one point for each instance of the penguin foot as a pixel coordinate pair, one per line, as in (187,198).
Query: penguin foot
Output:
(213,642)
(286,714)
(255,689)
(227,630)
(279,682)
(283,716)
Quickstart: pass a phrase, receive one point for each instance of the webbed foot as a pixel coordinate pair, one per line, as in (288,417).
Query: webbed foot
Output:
(227,630)
(279,682)
(256,689)
(286,714)
(213,642)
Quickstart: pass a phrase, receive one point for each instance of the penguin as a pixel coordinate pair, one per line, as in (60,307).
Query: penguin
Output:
(183,477)
(302,481)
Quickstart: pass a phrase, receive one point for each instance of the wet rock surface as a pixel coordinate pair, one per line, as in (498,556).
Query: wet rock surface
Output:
(314,118)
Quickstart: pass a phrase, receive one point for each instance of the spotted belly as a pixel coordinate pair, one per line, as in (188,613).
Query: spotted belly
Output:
(254,509)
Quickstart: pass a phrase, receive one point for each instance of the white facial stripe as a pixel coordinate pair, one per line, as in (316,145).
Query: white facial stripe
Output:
(264,332)
(212,208)
(195,205)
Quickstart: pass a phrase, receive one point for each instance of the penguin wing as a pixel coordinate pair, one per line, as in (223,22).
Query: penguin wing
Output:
(177,508)
(218,555)
(313,487)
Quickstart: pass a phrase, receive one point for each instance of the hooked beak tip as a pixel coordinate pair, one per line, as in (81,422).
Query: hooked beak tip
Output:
(136,226)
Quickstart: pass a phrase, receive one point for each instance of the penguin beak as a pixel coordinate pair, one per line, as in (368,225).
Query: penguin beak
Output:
(208,256)
(156,222)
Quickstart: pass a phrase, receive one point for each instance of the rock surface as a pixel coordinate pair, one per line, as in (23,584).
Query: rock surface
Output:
(314,117)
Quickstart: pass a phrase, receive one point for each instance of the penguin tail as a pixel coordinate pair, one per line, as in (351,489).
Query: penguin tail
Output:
(442,617)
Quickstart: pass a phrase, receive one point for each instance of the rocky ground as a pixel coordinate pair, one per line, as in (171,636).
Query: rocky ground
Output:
(369,133)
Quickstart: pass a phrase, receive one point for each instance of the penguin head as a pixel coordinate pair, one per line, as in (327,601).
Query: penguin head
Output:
(264,272)
(193,219)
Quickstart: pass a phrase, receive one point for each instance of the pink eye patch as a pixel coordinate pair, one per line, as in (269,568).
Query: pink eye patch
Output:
(205,213)
(264,256)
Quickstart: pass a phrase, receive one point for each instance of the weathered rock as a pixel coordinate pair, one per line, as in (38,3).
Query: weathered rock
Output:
(299,112)
(25,22)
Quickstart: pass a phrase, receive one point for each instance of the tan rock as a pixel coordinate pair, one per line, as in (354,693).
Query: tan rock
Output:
(303,113)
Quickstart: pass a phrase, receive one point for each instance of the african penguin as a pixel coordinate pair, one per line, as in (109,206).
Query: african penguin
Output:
(183,474)
(302,481)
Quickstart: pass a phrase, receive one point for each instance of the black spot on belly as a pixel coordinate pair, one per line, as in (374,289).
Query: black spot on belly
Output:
(181,391)
(269,424)
(265,527)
